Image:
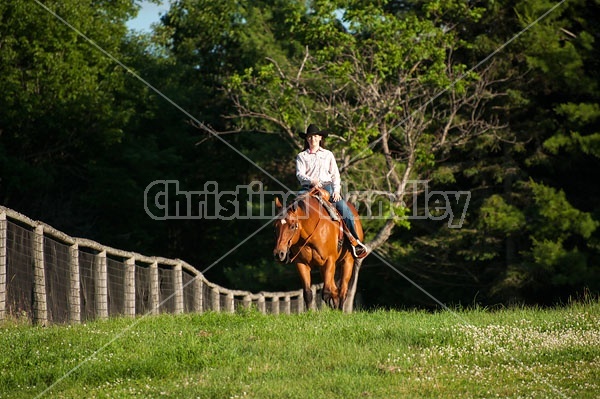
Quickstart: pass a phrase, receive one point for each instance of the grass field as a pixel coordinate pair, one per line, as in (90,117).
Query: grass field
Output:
(511,353)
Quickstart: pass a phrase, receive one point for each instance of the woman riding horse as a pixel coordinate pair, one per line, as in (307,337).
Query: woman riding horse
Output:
(316,167)
(306,232)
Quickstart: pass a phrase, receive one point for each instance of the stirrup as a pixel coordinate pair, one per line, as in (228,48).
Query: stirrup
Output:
(360,250)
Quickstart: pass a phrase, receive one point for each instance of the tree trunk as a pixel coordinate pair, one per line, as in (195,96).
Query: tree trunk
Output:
(349,303)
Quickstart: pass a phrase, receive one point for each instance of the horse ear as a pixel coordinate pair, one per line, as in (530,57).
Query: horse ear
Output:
(278,204)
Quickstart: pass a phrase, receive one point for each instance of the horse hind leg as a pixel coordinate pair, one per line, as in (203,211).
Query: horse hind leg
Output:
(304,271)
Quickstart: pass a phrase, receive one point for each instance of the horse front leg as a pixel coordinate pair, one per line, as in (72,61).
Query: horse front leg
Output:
(304,271)
(330,290)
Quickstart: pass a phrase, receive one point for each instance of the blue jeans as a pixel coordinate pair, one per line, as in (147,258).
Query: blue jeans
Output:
(341,206)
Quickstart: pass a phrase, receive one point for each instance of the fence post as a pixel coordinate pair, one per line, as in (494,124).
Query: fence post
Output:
(198,294)
(129,294)
(230,304)
(3,238)
(247,301)
(261,305)
(287,305)
(40,305)
(275,305)
(178,287)
(215,299)
(301,306)
(101,286)
(154,289)
(75,287)
(316,299)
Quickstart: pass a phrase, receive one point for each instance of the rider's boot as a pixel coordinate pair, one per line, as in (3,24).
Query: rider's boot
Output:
(359,250)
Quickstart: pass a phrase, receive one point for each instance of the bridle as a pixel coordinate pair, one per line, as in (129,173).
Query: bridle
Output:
(305,242)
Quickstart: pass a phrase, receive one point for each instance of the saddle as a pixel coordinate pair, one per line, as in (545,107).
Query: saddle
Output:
(322,195)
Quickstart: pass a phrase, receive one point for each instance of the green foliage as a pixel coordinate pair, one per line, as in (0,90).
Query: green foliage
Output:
(563,267)
(60,107)
(555,218)
(497,215)
(443,175)
(581,117)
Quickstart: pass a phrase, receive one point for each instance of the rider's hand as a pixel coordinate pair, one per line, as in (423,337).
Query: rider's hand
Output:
(315,183)
(336,197)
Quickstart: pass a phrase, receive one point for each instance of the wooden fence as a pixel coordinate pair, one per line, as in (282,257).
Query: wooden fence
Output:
(50,277)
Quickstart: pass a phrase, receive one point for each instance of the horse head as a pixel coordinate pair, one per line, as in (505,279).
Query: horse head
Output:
(287,230)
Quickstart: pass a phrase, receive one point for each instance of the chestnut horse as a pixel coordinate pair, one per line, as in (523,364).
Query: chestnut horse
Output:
(307,235)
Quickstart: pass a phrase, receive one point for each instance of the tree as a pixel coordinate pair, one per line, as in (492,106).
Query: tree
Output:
(204,43)
(531,174)
(557,125)
(388,87)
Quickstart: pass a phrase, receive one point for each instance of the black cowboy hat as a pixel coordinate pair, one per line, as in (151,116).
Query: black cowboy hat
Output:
(312,130)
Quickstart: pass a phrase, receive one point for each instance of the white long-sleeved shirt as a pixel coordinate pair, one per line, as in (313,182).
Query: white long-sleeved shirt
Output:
(319,165)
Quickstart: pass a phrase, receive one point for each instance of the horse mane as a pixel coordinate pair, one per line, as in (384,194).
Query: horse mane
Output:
(318,205)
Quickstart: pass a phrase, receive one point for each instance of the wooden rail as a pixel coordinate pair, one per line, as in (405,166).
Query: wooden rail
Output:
(76,279)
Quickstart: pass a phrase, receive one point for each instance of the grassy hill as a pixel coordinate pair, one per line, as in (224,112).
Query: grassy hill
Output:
(522,352)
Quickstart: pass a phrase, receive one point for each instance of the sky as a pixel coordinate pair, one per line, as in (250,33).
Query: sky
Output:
(148,14)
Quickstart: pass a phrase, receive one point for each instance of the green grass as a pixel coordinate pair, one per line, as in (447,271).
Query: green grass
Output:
(385,354)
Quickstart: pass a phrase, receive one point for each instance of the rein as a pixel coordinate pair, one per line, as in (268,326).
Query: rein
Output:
(305,242)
